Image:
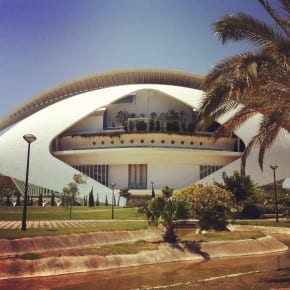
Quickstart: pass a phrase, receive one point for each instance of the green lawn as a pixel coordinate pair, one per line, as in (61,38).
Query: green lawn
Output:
(264,222)
(116,225)
(127,219)
(61,213)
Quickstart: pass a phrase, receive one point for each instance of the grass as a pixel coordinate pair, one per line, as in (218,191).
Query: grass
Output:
(218,236)
(114,249)
(28,256)
(264,222)
(125,219)
(62,213)
(115,225)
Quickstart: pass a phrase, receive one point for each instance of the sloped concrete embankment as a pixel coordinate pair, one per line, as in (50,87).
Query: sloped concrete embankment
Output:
(74,241)
(16,268)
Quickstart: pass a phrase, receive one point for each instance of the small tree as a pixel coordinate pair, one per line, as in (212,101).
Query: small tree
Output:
(91,199)
(97,200)
(153,210)
(40,199)
(173,210)
(8,200)
(124,192)
(213,206)
(248,196)
(72,189)
(241,186)
(18,198)
(52,199)
(166,211)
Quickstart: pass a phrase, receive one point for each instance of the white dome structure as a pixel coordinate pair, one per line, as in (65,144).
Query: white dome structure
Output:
(132,128)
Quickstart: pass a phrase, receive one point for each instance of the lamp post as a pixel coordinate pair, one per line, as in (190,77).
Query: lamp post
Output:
(70,205)
(113,199)
(29,138)
(274,167)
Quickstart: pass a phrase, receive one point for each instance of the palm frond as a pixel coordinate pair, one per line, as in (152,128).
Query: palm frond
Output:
(267,141)
(285,5)
(241,26)
(253,142)
(234,122)
(220,69)
(283,23)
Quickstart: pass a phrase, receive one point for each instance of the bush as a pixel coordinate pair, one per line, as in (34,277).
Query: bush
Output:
(251,211)
(211,205)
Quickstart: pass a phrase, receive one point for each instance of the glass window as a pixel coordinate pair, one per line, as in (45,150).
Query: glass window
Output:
(137,176)
(205,170)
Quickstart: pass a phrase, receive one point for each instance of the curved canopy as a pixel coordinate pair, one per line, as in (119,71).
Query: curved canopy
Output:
(99,81)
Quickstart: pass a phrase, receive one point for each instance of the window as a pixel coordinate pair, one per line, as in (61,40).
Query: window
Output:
(128,99)
(205,170)
(137,176)
(96,172)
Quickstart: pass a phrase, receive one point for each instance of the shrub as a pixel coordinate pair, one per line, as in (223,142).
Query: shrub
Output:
(251,211)
(213,206)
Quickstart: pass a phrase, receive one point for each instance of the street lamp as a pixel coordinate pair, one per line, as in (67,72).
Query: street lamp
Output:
(29,138)
(274,167)
(70,205)
(113,199)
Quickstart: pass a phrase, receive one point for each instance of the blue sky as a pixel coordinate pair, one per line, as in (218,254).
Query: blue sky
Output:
(47,42)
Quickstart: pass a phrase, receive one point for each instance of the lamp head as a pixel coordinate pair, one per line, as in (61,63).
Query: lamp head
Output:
(274,166)
(29,138)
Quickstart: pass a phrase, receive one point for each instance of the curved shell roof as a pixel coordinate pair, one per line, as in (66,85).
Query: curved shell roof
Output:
(99,81)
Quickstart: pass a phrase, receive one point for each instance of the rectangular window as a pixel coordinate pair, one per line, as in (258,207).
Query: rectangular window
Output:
(128,99)
(205,170)
(96,172)
(137,176)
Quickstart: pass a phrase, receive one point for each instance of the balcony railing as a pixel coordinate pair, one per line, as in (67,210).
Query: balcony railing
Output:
(144,139)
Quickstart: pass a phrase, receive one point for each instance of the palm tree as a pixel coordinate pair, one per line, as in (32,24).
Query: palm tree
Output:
(252,83)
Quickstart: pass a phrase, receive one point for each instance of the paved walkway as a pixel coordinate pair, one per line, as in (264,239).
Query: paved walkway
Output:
(50,224)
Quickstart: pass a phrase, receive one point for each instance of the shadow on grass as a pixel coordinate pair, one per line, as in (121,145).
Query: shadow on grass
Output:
(193,247)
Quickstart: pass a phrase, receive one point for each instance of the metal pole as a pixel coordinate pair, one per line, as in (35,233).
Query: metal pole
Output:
(276,200)
(274,167)
(24,213)
(70,208)
(29,138)
(113,200)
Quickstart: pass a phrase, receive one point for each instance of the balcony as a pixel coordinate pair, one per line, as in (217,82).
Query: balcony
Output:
(118,139)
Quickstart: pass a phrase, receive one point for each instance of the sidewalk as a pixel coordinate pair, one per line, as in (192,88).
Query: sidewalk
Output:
(49,224)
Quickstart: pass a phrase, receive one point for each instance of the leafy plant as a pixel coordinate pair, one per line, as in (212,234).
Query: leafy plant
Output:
(211,205)
(165,211)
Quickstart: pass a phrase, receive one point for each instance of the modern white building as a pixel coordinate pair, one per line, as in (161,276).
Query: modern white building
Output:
(132,128)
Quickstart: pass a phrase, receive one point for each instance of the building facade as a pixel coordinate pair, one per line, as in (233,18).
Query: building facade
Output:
(133,128)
